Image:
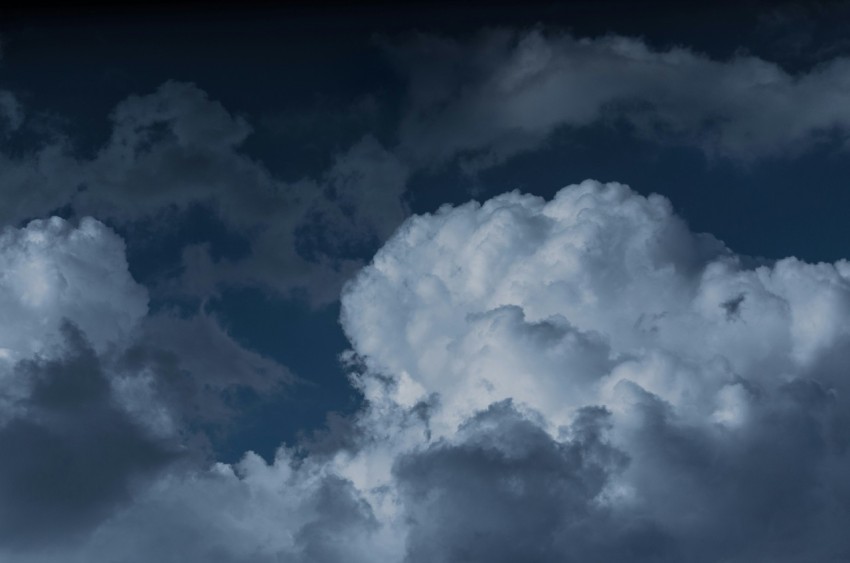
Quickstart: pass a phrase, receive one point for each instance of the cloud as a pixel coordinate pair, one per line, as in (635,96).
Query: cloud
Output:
(175,149)
(603,299)
(70,453)
(567,380)
(10,111)
(53,271)
(192,365)
(99,398)
(505,490)
(37,182)
(505,92)
(351,209)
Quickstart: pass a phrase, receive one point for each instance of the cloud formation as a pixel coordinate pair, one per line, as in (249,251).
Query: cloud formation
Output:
(569,380)
(53,272)
(99,398)
(721,383)
(480,100)
(505,92)
(70,451)
(176,148)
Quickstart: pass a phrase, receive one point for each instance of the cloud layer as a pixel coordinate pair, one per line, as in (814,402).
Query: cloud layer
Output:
(581,379)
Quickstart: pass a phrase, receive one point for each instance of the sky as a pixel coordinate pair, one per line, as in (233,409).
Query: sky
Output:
(501,282)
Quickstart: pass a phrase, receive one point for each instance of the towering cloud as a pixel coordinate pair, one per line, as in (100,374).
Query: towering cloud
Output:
(693,405)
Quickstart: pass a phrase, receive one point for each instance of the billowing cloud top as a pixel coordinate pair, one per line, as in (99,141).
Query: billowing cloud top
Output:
(721,382)
(52,272)
(553,303)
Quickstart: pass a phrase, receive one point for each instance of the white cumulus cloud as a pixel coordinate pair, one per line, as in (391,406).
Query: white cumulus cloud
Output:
(52,271)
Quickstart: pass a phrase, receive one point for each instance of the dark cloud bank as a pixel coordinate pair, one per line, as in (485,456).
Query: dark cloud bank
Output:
(578,378)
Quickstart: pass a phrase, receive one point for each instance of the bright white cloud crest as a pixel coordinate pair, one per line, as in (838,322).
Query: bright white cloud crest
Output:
(52,271)
(551,303)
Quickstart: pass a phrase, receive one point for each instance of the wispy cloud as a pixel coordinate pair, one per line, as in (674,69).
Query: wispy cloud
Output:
(505,92)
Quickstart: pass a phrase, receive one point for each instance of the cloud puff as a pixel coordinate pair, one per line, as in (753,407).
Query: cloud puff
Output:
(505,92)
(53,271)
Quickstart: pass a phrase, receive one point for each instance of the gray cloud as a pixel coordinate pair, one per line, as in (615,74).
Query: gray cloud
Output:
(99,398)
(10,111)
(196,367)
(71,454)
(508,491)
(504,92)
(55,272)
(176,148)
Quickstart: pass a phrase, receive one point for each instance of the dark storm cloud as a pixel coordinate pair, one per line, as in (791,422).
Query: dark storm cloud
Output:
(755,495)
(507,491)
(70,453)
(339,509)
